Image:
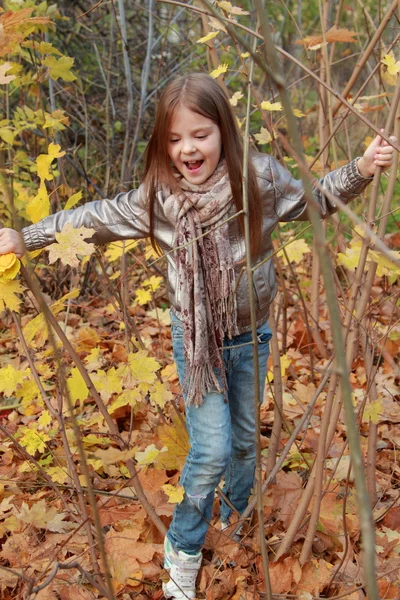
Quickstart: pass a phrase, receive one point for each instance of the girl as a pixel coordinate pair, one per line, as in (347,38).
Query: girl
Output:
(192,185)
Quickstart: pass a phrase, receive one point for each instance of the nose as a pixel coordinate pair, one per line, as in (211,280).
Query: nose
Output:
(188,146)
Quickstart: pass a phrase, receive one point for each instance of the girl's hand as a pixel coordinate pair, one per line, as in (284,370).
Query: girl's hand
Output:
(378,154)
(11,241)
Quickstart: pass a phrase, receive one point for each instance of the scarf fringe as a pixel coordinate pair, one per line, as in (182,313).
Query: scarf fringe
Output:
(198,381)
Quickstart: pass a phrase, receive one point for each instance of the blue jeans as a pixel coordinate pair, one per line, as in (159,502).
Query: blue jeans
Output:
(222,439)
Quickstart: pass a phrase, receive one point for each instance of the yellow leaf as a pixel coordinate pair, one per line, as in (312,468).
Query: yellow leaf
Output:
(235,98)
(10,378)
(44,420)
(58,474)
(33,440)
(127,398)
(143,296)
(245,54)
(7,134)
(297,113)
(3,70)
(271,106)
(285,362)
(175,493)
(72,200)
(76,386)
(8,291)
(263,137)
(214,23)
(393,67)
(60,68)
(107,383)
(42,517)
(233,10)
(153,282)
(176,441)
(28,392)
(143,367)
(112,456)
(57,119)
(44,161)
(295,251)
(207,37)
(218,71)
(372,412)
(160,394)
(116,249)
(39,207)
(148,456)
(70,243)
(7,261)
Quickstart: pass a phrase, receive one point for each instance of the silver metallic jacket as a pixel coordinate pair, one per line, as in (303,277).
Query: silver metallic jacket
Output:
(126,217)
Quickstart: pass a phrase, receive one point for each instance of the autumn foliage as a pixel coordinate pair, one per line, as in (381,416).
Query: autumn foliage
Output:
(92,426)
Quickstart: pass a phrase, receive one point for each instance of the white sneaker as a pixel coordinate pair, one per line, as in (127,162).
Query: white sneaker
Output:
(183,569)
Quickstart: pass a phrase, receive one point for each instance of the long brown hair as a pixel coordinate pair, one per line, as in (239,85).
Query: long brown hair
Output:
(202,94)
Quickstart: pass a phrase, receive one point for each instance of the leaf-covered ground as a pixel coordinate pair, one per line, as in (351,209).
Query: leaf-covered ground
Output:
(45,547)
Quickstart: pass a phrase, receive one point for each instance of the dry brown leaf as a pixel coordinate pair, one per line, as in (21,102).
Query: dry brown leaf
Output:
(332,35)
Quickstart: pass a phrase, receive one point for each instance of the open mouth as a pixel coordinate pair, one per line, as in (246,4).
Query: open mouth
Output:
(194,165)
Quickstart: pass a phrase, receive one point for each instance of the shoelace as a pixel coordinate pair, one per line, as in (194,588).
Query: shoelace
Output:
(185,575)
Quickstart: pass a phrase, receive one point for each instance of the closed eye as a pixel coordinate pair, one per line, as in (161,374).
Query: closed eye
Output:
(173,141)
(201,137)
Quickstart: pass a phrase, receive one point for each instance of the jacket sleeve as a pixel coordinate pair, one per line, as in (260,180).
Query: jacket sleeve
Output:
(345,183)
(123,217)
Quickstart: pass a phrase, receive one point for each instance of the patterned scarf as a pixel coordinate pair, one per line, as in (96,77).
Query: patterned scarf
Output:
(206,279)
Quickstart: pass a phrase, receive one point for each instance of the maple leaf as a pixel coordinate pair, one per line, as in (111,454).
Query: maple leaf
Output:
(153,282)
(295,251)
(263,137)
(10,378)
(214,23)
(43,47)
(235,98)
(42,518)
(271,106)
(232,10)
(58,474)
(44,161)
(143,296)
(148,456)
(206,38)
(116,249)
(60,68)
(28,392)
(175,493)
(111,456)
(44,420)
(39,207)
(70,243)
(176,442)
(298,113)
(219,70)
(126,554)
(3,70)
(332,35)
(57,119)
(372,412)
(72,200)
(393,66)
(76,386)
(127,398)
(107,383)
(160,394)
(143,367)
(33,440)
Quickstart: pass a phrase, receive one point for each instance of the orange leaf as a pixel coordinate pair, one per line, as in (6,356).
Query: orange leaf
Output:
(332,35)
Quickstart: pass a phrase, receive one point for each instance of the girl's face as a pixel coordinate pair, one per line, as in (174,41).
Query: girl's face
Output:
(194,144)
